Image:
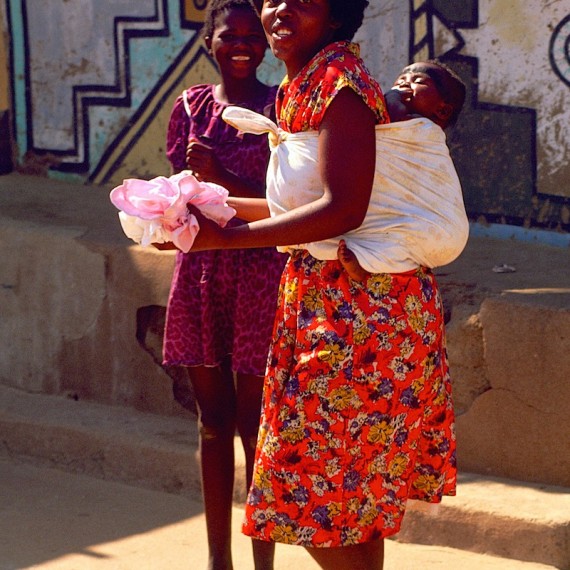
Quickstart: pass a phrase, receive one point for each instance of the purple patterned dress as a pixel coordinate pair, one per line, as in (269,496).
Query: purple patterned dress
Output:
(221,302)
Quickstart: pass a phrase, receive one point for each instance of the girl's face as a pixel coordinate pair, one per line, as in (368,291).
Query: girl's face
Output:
(297,30)
(238,43)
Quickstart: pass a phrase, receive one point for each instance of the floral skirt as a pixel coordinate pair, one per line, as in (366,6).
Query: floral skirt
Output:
(357,413)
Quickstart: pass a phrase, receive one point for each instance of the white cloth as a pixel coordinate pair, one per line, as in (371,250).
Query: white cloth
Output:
(416,214)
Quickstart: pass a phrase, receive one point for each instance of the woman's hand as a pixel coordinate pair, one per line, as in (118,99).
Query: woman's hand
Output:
(249,209)
(167,246)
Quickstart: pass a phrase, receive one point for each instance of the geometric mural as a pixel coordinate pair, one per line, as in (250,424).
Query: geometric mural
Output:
(88,70)
(86,54)
(560,50)
(512,143)
(483,161)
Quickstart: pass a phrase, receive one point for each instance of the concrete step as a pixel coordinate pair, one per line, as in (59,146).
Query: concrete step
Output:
(509,519)
(502,517)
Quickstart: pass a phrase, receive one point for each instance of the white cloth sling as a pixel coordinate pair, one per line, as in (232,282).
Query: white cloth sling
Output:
(416,214)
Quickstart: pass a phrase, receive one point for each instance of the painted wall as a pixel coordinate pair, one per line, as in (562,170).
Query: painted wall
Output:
(92,84)
(4,78)
(6,162)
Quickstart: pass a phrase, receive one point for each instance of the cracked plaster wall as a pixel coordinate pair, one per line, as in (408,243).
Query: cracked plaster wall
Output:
(69,317)
(517,427)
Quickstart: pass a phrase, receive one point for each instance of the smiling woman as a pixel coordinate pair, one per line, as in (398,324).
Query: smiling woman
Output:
(357,415)
(287,23)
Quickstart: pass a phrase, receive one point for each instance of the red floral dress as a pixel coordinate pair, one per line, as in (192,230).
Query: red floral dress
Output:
(357,414)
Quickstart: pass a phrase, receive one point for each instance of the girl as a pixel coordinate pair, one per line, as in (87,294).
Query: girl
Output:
(357,414)
(222,303)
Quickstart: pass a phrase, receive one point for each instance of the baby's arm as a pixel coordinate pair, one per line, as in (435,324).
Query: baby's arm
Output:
(350,263)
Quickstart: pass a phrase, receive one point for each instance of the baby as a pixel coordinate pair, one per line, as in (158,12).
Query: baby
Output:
(427,89)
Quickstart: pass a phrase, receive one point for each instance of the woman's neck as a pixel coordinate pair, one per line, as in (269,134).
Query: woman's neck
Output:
(239,91)
(295,67)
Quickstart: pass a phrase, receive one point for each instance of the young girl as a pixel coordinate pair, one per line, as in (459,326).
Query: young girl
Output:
(222,303)
(357,415)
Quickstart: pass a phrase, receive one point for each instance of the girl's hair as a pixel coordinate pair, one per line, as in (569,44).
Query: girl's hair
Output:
(216,7)
(349,14)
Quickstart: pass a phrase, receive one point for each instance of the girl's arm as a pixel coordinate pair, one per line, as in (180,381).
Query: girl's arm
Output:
(185,154)
(207,167)
(347,151)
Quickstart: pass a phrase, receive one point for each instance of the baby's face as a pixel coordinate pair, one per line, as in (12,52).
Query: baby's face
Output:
(418,91)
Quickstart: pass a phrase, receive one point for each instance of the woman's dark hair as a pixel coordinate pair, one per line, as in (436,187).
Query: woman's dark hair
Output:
(216,7)
(349,14)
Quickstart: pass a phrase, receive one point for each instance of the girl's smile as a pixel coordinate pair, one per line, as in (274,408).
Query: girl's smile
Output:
(238,43)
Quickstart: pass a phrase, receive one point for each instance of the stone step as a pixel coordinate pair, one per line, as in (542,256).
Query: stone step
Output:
(497,517)
(501,517)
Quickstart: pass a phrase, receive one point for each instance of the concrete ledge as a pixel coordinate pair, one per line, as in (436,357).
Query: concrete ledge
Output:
(500,517)
(74,291)
(519,426)
(113,443)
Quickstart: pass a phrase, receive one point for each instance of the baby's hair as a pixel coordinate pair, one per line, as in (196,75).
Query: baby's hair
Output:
(349,14)
(450,86)
(216,7)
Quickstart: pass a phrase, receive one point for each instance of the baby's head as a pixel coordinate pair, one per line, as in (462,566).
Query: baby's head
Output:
(431,89)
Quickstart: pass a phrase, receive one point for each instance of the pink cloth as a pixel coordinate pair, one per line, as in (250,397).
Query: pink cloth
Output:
(155,211)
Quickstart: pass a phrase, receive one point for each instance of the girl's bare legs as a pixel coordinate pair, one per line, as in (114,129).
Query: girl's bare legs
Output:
(249,394)
(366,556)
(216,401)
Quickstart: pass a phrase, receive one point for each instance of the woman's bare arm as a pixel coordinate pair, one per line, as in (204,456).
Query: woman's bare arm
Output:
(249,209)
(347,152)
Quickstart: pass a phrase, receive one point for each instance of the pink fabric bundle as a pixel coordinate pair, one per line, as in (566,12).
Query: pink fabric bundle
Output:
(155,211)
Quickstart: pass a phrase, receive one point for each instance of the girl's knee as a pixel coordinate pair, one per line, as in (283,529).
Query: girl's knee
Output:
(215,428)
(209,433)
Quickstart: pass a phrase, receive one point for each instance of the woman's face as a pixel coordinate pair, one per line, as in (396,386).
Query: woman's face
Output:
(297,30)
(238,43)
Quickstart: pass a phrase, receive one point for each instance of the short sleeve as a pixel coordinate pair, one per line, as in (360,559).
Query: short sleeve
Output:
(303,101)
(177,135)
